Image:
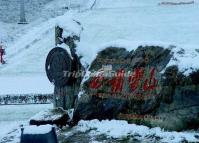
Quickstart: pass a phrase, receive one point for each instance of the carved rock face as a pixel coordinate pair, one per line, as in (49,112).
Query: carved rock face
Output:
(123,81)
(128,85)
(130,76)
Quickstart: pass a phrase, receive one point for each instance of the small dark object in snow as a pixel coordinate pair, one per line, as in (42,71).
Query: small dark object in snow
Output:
(196,136)
(62,121)
(49,137)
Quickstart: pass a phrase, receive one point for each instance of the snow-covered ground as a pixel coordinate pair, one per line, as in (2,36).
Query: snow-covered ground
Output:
(25,84)
(12,116)
(121,129)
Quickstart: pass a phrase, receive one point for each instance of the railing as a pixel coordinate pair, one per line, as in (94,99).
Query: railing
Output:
(26,99)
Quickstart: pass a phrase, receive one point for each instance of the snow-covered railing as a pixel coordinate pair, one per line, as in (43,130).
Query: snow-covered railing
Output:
(26,99)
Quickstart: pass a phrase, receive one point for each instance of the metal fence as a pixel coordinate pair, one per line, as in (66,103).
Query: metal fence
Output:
(26,99)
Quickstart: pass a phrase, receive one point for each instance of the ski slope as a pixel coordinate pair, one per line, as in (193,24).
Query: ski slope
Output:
(127,23)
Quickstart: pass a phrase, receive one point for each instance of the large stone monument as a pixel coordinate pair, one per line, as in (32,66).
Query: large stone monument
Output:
(137,86)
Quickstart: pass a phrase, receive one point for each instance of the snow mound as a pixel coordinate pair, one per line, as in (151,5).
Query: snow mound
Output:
(121,129)
(69,25)
(182,57)
(47,115)
(43,129)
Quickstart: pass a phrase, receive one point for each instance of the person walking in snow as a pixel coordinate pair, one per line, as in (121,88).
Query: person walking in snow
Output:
(2,52)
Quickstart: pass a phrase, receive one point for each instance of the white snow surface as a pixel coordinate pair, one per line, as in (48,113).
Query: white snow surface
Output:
(43,129)
(12,116)
(46,115)
(25,84)
(121,129)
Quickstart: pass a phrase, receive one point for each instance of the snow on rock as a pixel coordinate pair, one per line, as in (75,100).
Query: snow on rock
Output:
(43,129)
(121,129)
(119,43)
(69,25)
(48,115)
(182,57)
(66,47)
(70,113)
(185,58)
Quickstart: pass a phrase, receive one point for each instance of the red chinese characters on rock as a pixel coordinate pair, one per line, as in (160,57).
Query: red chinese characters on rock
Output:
(138,75)
(151,83)
(96,82)
(117,81)
(134,80)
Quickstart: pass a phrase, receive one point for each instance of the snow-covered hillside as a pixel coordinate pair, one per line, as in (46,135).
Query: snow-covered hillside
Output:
(139,22)
(127,23)
(27,45)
